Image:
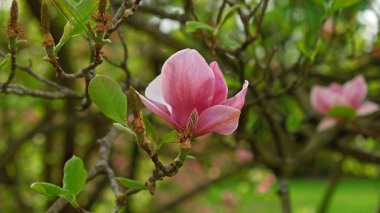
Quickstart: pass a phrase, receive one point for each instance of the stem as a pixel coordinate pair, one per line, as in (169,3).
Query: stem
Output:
(183,152)
(335,176)
(284,195)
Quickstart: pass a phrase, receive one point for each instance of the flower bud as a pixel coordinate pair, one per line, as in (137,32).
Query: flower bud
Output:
(48,42)
(102,6)
(14,13)
(13,28)
(133,105)
(45,18)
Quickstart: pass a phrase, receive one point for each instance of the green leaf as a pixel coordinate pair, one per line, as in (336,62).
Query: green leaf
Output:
(228,14)
(86,8)
(170,137)
(132,184)
(109,97)
(345,112)
(190,157)
(49,189)
(149,127)
(304,49)
(192,26)
(74,2)
(67,9)
(5,62)
(124,129)
(75,175)
(340,4)
(229,42)
(69,31)
(294,121)
(77,17)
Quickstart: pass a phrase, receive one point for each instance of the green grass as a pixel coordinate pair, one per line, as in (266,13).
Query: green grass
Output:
(351,196)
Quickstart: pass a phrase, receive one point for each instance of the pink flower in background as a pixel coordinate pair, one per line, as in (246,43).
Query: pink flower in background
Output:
(328,28)
(188,83)
(266,183)
(243,155)
(351,94)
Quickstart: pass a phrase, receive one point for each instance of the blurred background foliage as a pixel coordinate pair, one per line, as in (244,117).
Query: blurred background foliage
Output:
(299,44)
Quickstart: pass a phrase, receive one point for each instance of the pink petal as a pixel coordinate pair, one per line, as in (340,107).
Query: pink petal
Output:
(219,118)
(355,91)
(238,100)
(321,99)
(189,84)
(336,88)
(154,93)
(327,123)
(160,110)
(367,108)
(221,90)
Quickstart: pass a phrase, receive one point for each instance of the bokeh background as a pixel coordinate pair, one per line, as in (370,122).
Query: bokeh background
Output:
(283,48)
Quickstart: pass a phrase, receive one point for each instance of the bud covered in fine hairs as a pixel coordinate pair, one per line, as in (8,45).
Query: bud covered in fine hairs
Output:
(14,13)
(133,101)
(48,42)
(13,27)
(103,21)
(14,30)
(133,105)
(45,18)
(102,6)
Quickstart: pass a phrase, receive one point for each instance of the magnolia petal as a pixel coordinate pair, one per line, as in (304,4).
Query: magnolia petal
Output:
(219,118)
(154,93)
(221,90)
(355,91)
(327,123)
(367,108)
(321,99)
(336,88)
(160,110)
(238,100)
(189,84)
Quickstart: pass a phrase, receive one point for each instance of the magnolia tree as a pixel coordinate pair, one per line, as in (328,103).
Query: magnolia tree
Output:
(238,85)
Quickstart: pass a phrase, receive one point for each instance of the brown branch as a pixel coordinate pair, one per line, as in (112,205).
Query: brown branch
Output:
(251,38)
(23,91)
(44,80)
(283,192)
(163,14)
(60,72)
(365,156)
(316,142)
(122,15)
(335,175)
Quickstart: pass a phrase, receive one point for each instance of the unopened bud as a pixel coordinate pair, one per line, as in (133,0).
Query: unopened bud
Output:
(102,6)
(13,27)
(133,105)
(48,42)
(133,101)
(45,18)
(14,13)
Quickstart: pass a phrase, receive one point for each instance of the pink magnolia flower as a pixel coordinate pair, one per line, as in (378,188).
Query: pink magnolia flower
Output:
(266,183)
(351,94)
(187,84)
(243,155)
